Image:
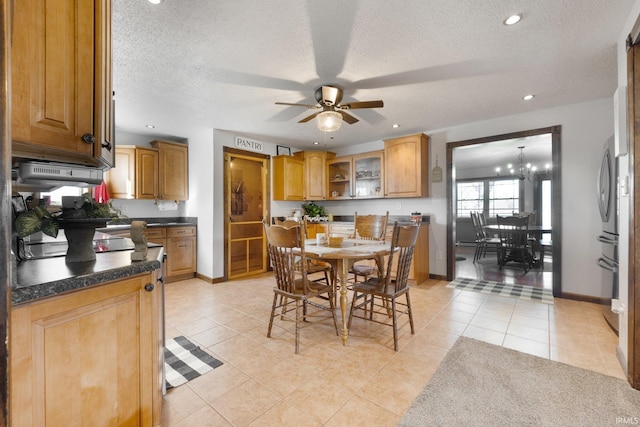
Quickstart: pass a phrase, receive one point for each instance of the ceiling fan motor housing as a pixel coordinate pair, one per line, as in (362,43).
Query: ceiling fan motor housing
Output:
(328,95)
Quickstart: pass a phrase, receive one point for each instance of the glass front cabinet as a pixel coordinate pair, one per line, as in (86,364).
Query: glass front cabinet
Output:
(356,177)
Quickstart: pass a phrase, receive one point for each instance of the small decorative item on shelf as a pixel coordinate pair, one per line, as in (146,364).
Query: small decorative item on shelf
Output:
(314,213)
(416,217)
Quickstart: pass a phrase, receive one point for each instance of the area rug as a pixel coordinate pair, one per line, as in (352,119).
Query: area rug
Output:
(479,384)
(503,289)
(184,361)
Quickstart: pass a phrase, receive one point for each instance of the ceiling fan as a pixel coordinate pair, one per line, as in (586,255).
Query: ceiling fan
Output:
(332,112)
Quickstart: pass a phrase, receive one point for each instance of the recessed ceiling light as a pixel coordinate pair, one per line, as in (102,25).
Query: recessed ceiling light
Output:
(155,1)
(150,126)
(528,97)
(395,125)
(513,19)
(316,143)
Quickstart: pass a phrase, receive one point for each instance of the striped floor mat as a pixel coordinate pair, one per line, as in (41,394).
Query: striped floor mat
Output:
(184,361)
(503,289)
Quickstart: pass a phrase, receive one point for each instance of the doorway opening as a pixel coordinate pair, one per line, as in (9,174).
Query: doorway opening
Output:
(484,189)
(246,203)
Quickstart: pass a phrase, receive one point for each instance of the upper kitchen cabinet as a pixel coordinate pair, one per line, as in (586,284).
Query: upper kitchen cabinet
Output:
(357,177)
(315,173)
(173,170)
(339,172)
(368,172)
(288,178)
(61,95)
(136,176)
(406,162)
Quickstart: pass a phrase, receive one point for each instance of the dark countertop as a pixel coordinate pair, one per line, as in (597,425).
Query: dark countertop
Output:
(349,219)
(42,278)
(125,223)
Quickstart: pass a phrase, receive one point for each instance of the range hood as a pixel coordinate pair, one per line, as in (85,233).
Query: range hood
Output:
(52,175)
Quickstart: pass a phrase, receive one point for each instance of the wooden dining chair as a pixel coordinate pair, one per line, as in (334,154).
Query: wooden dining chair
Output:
(294,292)
(313,266)
(379,292)
(483,240)
(368,227)
(514,241)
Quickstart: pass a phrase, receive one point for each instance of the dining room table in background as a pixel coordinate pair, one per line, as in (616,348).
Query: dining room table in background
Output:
(341,259)
(536,231)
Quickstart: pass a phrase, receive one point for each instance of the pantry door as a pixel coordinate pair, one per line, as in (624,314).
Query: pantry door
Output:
(246,181)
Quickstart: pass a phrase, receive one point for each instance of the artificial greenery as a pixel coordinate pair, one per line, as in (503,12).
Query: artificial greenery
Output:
(40,219)
(311,209)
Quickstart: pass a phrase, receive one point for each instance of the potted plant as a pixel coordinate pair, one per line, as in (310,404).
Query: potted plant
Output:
(79,217)
(313,211)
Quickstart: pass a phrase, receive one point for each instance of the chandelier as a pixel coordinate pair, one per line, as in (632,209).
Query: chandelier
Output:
(523,170)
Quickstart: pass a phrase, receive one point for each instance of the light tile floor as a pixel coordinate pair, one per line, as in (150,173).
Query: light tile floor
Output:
(365,383)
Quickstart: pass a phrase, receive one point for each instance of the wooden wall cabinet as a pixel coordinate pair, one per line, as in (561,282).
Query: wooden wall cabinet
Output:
(315,173)
(406,162)
(357,177)
(61,95)
(136,176)
(173,170)
(91,357)
(288,178)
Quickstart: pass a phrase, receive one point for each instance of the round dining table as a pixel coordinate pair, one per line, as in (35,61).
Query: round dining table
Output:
(341,259)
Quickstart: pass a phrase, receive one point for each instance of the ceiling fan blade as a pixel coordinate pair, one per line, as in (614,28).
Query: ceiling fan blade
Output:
(306,119)
(298,105)
(348,117)
(365,104)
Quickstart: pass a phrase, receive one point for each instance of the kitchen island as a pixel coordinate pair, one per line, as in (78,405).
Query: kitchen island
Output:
(87,341)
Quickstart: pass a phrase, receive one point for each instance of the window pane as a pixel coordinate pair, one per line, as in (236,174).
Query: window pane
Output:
(504,197)
(470,197)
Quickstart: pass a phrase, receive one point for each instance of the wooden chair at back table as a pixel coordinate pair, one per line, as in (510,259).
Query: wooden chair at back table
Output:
(382,293)
(514,241)
(294,291)
(369,227)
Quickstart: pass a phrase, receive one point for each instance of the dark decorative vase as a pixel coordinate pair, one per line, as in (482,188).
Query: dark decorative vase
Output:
(79,233)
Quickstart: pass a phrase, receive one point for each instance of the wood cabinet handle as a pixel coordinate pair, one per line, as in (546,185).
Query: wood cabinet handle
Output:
(149,287)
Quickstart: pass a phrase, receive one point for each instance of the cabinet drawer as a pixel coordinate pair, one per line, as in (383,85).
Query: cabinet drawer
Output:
(155,233)
(181,231)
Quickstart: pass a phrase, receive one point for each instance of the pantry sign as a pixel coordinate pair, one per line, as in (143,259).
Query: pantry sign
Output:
(248,144)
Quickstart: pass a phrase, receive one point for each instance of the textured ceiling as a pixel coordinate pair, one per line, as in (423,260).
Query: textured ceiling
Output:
(190,64)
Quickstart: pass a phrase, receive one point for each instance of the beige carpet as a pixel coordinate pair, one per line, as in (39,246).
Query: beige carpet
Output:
(479,384)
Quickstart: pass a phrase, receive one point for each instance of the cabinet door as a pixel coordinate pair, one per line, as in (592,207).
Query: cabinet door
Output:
(60,65)
(181,251)
(368,173)
(77,360)
(121,179)
(146,173)
(288,178)
(174,170)
(339,171)
(315,175)
(407,166)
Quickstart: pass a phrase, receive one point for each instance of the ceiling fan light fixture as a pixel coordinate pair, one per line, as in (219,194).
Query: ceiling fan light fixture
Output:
(329,121)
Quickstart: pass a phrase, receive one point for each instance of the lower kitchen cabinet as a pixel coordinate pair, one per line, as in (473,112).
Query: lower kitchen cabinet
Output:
(92,357)
(181,253)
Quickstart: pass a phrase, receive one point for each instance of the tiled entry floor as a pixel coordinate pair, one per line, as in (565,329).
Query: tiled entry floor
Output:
(263,383)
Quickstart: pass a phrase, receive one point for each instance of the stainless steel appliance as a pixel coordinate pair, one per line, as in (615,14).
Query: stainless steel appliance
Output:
(608,205)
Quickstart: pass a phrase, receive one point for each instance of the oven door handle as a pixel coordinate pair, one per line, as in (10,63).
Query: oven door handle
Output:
(607,240)
(607,265)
